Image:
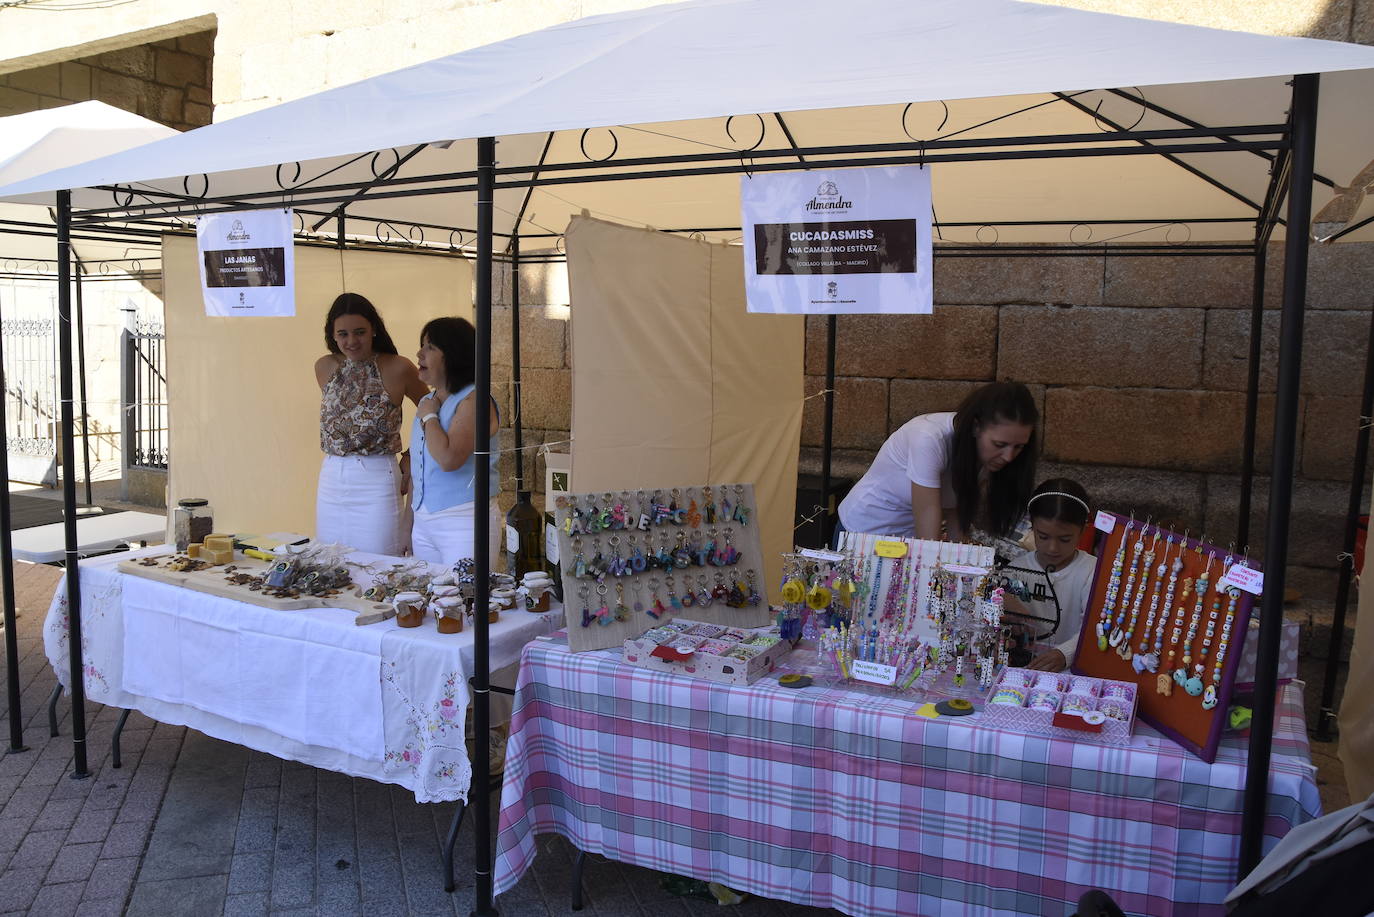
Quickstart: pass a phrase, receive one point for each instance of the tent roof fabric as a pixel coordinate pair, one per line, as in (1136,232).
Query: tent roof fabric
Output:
(671,72)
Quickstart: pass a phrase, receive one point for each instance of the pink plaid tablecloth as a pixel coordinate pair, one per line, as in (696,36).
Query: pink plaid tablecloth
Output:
(831,798)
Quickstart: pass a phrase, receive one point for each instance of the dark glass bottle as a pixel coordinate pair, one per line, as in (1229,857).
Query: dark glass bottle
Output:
(524,536)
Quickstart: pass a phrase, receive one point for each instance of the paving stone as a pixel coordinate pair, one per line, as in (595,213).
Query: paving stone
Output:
(74,863)
(112,878)
(57,815)
(26,801)
(39,848)
(57,900)
(263,773)
(255,834)
(293,884)
(250,872)
(108,792)
(254,905)
(189,897)
(338,899)
(380,878)
(259,802)
(21,886)
(100,907)
(139,807)
(126,839)
(91,825)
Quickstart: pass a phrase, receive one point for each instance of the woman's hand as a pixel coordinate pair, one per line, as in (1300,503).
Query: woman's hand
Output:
(405,473)
(426,404)
(1049,661)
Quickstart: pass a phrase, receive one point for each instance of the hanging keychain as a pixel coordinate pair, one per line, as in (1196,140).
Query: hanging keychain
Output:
(584,593)
(622,611)
(704,597)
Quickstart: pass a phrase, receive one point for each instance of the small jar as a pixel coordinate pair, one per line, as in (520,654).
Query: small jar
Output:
(192,520)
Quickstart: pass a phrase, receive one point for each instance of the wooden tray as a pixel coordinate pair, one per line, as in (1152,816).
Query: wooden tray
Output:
(211,581)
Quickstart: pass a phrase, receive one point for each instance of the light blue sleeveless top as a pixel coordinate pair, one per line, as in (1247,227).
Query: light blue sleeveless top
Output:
(432,489)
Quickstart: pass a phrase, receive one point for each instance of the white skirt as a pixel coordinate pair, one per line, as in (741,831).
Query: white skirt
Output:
(359,504)
(445,536)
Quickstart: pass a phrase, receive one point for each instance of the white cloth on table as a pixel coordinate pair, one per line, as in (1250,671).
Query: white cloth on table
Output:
(918,452)
(359,504)
(402,735)
(446,536)
(1073,585)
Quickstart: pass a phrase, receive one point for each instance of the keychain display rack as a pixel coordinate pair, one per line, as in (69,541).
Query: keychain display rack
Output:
(635,559)
(1166,614)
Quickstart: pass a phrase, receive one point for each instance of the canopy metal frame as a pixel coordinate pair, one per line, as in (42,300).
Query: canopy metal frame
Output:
(1288,147)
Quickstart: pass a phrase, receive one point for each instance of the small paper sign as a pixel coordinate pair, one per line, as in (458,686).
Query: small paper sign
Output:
(1105,522)
(873,672)
(1246,578)
(833,557)
(890,548)
(966,569)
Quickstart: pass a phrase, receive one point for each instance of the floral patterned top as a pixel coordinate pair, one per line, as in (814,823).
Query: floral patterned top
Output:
(357,416)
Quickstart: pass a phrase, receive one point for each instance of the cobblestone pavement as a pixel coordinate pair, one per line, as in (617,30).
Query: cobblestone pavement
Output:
(194,826)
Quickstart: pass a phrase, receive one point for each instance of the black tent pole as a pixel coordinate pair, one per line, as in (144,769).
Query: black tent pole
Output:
(81,376)
(1303,139)
(76,674)
(483,904)
(517,416)
(1247,456)
(828,434)
(1352,521)
(7,579)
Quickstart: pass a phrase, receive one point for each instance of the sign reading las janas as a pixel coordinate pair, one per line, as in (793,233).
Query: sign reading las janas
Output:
(842,241)
(246,263)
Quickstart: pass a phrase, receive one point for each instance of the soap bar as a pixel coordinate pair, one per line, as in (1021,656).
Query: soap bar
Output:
(217,555)
(193,549)
(219,542)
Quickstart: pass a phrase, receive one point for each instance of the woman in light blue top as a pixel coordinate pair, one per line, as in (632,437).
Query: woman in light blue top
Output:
(443,449)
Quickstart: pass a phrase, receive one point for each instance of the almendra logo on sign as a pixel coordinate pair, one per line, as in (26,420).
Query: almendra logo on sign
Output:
(237,233)
(828,198)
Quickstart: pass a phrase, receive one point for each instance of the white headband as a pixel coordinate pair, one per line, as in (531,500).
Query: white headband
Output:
(1058,493)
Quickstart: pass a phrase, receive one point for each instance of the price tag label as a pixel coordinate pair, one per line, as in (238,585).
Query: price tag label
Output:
(966,569)
(1105,522)
(890,548)
(873,672)
(512,540)
(551,544)
(1246,578)
(817,554)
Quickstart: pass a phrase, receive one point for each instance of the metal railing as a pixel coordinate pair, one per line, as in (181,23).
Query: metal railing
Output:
(144,383)
(30,361)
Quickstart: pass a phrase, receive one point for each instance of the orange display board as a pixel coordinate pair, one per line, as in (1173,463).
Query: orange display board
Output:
(1164,613)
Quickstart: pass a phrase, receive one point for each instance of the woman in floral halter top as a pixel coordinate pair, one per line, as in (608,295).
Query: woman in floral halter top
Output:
(363,381)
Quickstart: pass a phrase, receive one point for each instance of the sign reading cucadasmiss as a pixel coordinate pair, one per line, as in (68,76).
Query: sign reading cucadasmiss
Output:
(837,241)
(247,262)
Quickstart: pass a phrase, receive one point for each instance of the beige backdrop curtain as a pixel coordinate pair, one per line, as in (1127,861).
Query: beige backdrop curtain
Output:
(1356,718)
(673,382)
(243,403)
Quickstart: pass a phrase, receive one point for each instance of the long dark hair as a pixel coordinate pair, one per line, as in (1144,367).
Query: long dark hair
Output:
(457,340)
(357,304)
(1008,489)
(1055,501)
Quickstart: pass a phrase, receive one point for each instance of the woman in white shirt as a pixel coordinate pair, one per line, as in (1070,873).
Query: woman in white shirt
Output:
(972,469)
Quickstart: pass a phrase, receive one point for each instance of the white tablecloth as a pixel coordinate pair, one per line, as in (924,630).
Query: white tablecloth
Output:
(378,701)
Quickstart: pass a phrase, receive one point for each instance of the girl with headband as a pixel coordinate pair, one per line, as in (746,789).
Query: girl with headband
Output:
(1058,514)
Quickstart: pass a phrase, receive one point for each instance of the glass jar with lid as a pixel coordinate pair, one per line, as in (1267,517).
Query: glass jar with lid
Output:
(192,520)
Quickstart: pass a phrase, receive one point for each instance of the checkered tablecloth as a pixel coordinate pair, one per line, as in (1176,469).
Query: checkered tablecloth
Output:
(831,798)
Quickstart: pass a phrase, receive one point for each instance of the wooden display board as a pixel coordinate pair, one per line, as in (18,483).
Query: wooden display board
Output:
(1179,715)
(211,580)
(643,526)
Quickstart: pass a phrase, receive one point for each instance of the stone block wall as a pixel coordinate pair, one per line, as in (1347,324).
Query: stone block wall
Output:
(1139,367)
(168,81)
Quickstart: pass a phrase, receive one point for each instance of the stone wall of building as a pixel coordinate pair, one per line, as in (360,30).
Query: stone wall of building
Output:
(169,81)
(1139,366)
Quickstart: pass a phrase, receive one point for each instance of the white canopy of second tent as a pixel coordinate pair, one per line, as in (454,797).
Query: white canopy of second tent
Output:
(40,141)
(664,81)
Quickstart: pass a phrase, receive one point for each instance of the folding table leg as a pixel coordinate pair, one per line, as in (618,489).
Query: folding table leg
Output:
(577,880)
(453,829)
(52,711)
(114,740)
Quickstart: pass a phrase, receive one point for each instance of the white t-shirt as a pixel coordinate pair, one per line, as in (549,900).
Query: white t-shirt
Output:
(1073,585)
(918,452)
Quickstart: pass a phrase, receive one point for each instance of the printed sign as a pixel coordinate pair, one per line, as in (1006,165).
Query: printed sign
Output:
(247,263)
(873,672)
(1246,578)
(838,241)
(1105,522)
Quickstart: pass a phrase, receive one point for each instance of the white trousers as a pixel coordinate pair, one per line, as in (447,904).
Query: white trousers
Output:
(446,536)
(359,504)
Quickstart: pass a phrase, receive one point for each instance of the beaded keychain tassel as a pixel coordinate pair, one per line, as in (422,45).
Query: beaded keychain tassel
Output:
(1114,637)
(1209,697)
(1124,648)
(1113,587)
(1194,684)
(1164,684)
(1145,660)
(1199,599)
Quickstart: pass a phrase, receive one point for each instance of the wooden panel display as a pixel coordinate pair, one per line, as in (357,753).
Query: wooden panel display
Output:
(1134,622)
(614,546)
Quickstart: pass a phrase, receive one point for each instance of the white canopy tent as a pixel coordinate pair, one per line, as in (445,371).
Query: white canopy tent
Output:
(1046,125)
